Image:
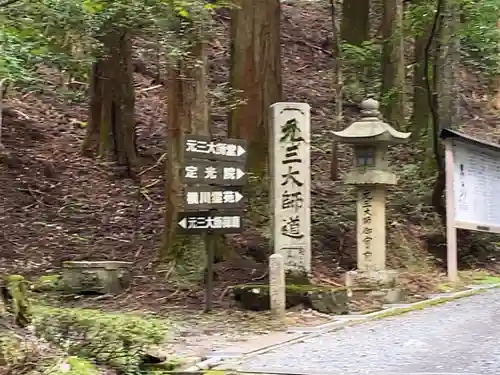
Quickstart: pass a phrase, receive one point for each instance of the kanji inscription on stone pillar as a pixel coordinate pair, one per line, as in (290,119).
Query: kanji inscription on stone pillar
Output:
(371,228)
(290,171)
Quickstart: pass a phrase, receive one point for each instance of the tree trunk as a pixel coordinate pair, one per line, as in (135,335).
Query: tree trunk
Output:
(338,83)
(447,90)
(256,73)
(188,113)
(111,123)
(355,26)
(421,116)
(393,66)
(448,66)
(96,86)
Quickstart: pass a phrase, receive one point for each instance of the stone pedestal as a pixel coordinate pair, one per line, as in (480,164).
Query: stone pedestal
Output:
(371,228)
(101,277)
(381,285)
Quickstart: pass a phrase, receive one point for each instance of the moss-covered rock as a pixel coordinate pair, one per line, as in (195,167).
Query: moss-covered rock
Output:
(119,340)
(320,298)
(161,368)
(14,289)
(103,277)
(48,283)
(73,366)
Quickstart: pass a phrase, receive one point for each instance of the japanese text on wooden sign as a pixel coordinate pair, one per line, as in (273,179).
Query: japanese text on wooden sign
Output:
(213,172)
(202,222)
(201,147)
(476,182)
(290,171)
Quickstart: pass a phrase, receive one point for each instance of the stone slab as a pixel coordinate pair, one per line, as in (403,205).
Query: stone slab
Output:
(290,166)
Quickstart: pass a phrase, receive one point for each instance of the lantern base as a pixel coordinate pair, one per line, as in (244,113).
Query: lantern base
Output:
(380,285)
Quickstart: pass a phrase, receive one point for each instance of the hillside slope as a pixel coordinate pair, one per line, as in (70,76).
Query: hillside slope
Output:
(57,205)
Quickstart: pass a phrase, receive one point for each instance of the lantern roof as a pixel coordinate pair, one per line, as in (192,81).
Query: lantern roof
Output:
(370,129)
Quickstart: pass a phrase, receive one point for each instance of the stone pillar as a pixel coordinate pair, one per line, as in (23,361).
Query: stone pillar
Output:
(290,171)
(277,287)
(371,228)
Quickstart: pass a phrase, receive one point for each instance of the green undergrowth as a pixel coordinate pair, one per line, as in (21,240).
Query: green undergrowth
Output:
(23,353)
(487,279)
(466,278)
(47,283)
(72,366)
(121,341)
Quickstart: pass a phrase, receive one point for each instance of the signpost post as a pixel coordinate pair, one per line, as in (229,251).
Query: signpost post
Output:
(214,173)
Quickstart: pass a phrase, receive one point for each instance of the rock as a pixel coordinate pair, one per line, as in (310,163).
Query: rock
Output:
(380,286)
(48,283)
(74,366)
(15,300)
(155,355)
(388,296)
(157,359)
(330,302)
(326,300)
(254,298)
(104,277)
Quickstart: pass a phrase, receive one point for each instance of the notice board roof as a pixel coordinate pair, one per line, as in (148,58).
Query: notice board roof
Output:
(449,133)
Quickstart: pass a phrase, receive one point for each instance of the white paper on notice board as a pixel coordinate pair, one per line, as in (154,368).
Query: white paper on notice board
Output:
(476,182)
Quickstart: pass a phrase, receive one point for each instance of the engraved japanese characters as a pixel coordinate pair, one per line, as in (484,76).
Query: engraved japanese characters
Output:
(290,190)
(370,137)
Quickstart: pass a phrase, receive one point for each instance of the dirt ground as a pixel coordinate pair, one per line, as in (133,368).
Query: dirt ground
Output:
(57,205)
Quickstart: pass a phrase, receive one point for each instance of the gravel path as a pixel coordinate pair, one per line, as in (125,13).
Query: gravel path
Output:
(459,337)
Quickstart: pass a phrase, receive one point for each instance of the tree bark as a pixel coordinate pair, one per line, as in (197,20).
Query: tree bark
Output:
(448,65)
(256,73)
(355,26)
(111,123)
(338,83)
(421,116)
(447,90)
(393,67)
(188,113)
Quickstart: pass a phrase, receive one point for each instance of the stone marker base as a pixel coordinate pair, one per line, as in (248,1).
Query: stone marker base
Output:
(326,300)
(379,285)
(103,277)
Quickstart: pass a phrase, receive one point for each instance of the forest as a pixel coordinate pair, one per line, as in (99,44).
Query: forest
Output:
(96,100)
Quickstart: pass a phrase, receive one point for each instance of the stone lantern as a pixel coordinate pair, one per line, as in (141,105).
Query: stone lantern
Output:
(370,138)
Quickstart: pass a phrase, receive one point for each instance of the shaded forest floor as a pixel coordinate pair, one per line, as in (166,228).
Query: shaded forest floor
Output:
(56,205)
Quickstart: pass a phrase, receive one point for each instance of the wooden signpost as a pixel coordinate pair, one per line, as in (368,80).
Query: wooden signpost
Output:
(214,173)
(472,189)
